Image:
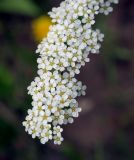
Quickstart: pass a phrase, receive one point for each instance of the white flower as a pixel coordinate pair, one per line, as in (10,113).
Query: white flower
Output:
(45,136)
(106,8)
(66,49)
(58,140)
(57,130)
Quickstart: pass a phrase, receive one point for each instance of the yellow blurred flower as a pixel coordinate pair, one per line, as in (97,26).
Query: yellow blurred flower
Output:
(40,27)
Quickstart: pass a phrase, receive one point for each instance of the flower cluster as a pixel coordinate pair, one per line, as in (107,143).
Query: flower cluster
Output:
(61,55)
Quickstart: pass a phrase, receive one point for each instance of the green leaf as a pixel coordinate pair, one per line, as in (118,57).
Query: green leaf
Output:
(24,7)
(122,54)
(70,152)
(6,82)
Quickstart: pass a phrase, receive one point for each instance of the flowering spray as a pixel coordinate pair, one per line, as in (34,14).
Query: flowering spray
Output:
(61,55)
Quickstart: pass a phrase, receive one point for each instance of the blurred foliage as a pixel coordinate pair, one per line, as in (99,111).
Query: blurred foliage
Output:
(7,133)
(46,5)
(24,7)
(113,53)
(6,82)
(99,153)
(70,152)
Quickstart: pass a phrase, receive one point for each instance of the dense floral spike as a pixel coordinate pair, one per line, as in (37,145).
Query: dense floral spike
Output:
(61,55)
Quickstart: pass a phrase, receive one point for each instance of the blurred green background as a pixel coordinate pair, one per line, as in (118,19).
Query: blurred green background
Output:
(105,128)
